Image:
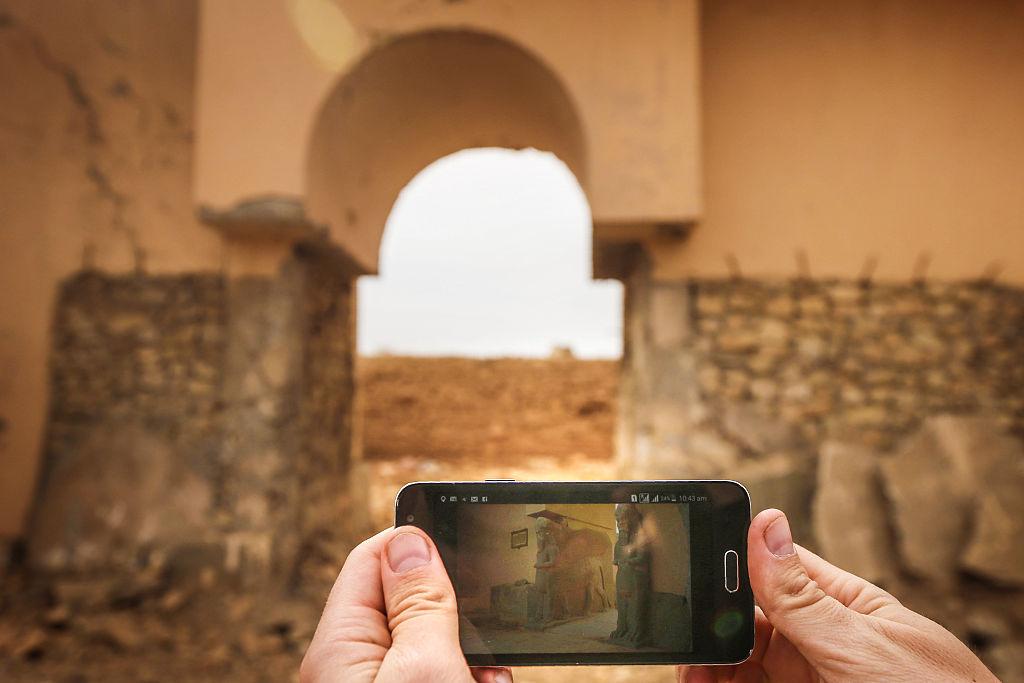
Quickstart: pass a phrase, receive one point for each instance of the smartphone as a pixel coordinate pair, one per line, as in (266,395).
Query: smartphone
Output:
(596,572)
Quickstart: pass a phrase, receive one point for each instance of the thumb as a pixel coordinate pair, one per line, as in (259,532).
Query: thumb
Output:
(795,604)
(421,611)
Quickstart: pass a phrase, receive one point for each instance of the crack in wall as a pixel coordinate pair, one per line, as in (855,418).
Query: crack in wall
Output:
(119,203)
(67,73)
(95,135)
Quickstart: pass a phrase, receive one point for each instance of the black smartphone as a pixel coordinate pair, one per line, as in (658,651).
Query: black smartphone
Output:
(596,572)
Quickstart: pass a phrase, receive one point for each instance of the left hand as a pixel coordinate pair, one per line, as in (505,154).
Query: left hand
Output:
(391,617)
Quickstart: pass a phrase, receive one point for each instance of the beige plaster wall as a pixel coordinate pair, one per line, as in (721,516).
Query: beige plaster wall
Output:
(629,68)
(95,171)
(860,128)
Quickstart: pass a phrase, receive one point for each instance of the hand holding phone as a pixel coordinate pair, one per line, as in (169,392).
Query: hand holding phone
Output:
(392,617)
(637,572)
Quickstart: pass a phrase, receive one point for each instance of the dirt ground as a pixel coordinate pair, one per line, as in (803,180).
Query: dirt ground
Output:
(506,408)
(151,629)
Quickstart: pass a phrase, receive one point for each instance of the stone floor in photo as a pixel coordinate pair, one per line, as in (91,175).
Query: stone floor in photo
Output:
(585,634)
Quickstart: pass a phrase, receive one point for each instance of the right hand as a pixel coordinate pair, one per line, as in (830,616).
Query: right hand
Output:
(817,622)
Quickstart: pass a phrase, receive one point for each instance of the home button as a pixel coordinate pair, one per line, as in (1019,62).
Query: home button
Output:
(732,571)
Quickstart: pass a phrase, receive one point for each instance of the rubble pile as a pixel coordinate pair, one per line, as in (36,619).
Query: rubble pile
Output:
(150,627)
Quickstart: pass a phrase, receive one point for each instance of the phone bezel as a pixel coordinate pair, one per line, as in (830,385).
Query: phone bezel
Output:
(719,527)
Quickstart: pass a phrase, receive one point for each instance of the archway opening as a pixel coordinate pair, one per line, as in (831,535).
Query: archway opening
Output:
(486,349)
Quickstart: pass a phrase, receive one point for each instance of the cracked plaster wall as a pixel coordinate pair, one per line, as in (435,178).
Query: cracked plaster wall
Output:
(96,141)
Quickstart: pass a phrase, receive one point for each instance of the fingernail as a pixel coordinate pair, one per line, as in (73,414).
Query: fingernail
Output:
(502,676)
(779,538)
(407,551)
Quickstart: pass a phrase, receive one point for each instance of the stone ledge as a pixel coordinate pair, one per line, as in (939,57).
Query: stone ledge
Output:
(263,218)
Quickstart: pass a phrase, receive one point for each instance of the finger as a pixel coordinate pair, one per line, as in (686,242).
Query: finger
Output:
(352,636)
(795,604)
(851,590)
(359,581)
(751,670)
(421,611)
(762,635)
(786,663)
(492,674)
(696,674)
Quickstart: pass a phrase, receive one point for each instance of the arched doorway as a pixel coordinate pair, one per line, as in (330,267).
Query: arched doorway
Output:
(418,99)
(486,349)
(487,254)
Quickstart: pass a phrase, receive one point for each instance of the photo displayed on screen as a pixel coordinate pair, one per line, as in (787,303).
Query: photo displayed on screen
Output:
(563,578)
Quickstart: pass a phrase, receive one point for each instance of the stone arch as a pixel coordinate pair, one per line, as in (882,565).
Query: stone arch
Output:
(416,99)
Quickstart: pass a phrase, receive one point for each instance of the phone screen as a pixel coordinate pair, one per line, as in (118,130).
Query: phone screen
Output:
(592,572)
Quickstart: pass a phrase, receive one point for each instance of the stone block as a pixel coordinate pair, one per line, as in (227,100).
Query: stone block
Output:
(738,341)
(992,462)
(785,482)
(955,488)
(931,500)
(849,512)
(773,332)
(710,304)
(995,550)
(756,431)
(780,305)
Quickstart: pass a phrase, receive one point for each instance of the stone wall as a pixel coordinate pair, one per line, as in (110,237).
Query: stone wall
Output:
(719,372)
(861,362)
(96,173)
(884,418)
(134,435)
(331,518)
(199,419)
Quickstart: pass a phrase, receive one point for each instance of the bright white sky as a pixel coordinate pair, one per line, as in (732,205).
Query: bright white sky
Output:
(487,253)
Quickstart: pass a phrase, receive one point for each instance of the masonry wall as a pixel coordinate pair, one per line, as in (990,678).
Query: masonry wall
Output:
(201,418)
(132,454)
(860,362)
(333,514)
(722,372)
(95,174)
(886,419)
